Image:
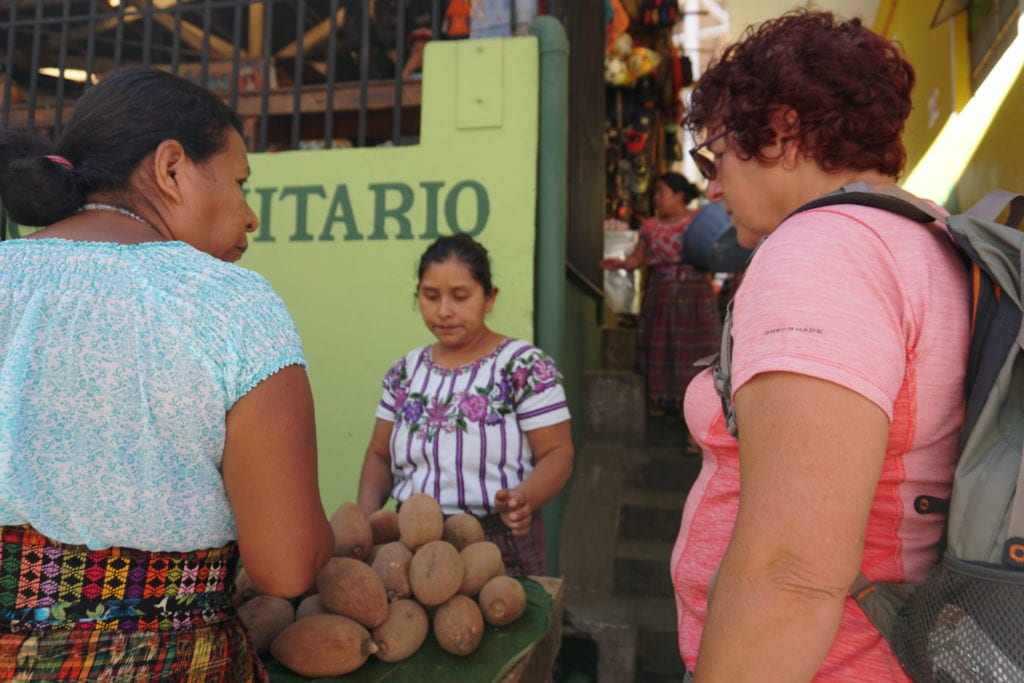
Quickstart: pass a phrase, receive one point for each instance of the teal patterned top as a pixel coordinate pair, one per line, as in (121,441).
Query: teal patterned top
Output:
(118,364)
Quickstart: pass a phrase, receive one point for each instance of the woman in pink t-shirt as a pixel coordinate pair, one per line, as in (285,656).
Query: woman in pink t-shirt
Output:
(849,342)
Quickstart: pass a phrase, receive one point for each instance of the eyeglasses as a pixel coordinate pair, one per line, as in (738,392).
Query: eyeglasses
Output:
(706,164)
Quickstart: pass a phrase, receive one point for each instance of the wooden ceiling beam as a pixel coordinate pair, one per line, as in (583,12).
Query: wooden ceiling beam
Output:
(192,36)
(314,37)
(256,20)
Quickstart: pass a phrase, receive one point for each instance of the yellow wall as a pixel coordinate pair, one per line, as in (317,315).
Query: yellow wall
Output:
(939,56)
(998,161)
(941,60)
(352,295)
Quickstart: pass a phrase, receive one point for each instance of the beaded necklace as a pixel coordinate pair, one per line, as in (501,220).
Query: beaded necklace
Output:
(117,209)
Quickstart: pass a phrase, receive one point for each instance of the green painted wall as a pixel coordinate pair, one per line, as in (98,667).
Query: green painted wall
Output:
(582,354)
(342,231)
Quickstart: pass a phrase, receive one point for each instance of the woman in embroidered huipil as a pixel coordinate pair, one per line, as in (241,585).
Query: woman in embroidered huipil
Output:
(477,420)
(679,320)
(156,421)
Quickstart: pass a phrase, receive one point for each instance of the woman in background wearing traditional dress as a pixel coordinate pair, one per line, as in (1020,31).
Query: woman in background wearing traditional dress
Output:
(679,320)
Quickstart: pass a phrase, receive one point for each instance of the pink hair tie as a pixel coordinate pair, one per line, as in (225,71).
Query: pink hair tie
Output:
(57,159)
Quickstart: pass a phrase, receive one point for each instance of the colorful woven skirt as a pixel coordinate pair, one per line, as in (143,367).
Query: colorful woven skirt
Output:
(521,554)
(68,613)
(679,325)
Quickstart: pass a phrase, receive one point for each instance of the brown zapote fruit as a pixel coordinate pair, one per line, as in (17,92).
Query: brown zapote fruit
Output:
(384,524)
(353,536)
(462,529)
(435,572)
(420,521)
(391,562)
(459,626)
(403,632)
(323,645)
(482,562)
(309,606)
(351,588)
(264,617)
(502,600)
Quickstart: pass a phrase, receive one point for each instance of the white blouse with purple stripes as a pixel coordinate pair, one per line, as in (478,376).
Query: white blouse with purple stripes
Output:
(459,434)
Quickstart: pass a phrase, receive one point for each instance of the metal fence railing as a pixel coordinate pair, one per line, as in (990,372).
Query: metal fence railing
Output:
(302,73)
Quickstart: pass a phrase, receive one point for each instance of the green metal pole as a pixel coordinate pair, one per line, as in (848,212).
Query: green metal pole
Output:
(552,184)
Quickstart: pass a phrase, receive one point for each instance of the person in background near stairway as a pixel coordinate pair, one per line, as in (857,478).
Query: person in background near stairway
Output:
(477,420)
(156,421)
(846,371)
(679,321)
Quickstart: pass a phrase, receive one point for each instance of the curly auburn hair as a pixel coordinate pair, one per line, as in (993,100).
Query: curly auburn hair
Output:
(849,87)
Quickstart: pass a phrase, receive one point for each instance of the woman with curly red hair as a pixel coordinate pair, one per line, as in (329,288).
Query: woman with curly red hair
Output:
(849,342)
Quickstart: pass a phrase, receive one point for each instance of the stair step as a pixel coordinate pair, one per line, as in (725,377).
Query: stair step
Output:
(657,640)
(671,451)
(613,407)
(657,656)
(650,515)
(654,613)
(641,497)
(663,433)
(657,471)
(642,568)
(618,348)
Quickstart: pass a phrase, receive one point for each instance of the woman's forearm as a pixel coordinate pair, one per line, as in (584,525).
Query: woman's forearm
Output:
(374,484)
(548,477)
(767,623)
(375,479)
(809,467)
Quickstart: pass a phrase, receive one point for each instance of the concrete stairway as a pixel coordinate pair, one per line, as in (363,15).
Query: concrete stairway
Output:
(621,520)
(657,479)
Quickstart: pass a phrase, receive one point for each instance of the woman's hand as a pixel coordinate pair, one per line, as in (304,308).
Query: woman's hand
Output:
(635,259)
(611,263)
(515,510)
(553,453)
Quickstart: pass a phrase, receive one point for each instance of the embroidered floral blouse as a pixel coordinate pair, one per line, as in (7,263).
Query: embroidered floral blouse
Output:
(459,434)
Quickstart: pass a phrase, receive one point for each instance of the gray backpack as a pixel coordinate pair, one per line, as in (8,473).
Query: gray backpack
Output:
(966,621)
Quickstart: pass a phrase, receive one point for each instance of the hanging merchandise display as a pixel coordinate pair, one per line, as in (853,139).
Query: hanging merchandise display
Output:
(659,13)
(457,19)
(493,18)
(644,74)
(616,21)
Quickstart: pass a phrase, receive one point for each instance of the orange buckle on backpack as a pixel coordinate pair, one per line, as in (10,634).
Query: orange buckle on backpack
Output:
(1013,552)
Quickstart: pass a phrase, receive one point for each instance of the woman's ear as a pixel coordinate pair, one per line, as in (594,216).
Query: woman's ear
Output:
(489,304)
(785,124)
(169,160)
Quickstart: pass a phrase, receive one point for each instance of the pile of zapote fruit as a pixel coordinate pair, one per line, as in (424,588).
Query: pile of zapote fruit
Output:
(392,577)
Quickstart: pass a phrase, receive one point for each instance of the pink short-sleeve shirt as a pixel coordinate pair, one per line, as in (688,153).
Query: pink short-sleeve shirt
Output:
(875,303)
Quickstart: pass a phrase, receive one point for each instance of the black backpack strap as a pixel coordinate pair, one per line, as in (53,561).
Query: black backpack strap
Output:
(886,197)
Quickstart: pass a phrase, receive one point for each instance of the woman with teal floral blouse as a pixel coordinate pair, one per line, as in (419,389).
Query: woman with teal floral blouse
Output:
(156,421)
